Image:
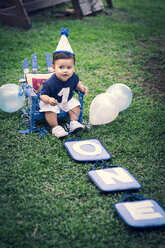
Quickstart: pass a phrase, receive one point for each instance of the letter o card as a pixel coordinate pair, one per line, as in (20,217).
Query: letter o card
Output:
(87,150)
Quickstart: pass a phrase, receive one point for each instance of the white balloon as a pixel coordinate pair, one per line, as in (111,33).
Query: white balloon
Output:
(10,100)
(122,93)
(103,109)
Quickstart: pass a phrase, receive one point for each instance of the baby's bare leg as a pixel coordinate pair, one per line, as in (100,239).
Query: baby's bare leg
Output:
(51,118)
(74,113)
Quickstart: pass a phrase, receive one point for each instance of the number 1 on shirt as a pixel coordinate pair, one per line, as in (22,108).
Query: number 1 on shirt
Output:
(64,93)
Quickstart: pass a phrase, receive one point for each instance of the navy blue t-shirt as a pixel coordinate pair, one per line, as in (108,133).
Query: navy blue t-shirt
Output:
(60,90)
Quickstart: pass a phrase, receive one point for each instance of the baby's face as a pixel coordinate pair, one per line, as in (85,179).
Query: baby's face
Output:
(63,68)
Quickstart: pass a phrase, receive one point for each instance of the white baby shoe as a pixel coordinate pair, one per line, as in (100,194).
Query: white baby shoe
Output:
(59,132)
(75,126)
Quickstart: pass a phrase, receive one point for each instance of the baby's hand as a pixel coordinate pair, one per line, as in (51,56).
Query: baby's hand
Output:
(85,89)
(52,101)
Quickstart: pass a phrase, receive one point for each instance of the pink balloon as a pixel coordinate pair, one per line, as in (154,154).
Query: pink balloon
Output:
(10,100)
(103,109)
(122,93)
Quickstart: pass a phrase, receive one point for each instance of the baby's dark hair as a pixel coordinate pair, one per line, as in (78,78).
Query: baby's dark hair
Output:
(57,56)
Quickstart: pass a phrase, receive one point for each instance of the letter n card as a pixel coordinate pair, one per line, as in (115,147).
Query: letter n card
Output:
(113,179)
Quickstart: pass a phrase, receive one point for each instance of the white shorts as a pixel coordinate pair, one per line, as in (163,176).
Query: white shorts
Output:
(72,103)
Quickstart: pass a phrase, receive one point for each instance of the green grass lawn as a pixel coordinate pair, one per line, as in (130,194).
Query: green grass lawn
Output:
(46,198)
